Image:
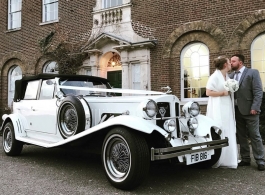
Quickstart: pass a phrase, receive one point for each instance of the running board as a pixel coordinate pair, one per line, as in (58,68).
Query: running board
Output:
(37,142)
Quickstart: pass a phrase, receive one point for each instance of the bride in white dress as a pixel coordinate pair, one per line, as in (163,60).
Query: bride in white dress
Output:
(221,109)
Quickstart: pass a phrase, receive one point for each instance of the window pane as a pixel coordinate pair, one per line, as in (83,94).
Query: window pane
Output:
(14,16)
(47,89)
(51,67)
(112,3)
(257,65)
(15,74)
(15,20)
(195,67)
(31,91)
(15,5)
(257,55)
(186,62)
(258,58)
(204,60)
(204,71)
(50,11)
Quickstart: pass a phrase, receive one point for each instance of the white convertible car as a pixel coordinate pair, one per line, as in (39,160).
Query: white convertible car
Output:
(131,130)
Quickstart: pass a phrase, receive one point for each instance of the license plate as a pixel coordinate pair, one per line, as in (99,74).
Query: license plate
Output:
(197,157)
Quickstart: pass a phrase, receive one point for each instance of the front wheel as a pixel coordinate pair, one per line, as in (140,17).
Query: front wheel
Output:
(125,157)
(11,146)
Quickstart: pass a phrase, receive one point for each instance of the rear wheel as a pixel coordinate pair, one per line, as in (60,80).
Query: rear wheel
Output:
(125,157)
(11,146)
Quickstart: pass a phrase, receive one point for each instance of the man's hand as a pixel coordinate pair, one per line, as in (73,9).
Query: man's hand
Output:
(253,112)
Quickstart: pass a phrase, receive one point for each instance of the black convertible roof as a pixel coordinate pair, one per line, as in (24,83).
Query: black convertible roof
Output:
(52,76)
(21,84)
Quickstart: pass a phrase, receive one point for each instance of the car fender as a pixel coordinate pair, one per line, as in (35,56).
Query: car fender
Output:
(205,125)
(18,124)
(132,122)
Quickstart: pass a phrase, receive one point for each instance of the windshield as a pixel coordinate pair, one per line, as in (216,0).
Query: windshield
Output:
(84,83)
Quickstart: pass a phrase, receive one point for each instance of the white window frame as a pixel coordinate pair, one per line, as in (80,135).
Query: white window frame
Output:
(50,65)
(47,6)
(257,56)
(14,10)
(202,100)
(111,3)
(11,82)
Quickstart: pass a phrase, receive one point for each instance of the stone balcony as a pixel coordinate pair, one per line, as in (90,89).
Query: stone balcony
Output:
(111,16)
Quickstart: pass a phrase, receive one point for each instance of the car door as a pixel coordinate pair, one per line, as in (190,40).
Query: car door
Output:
(39,106)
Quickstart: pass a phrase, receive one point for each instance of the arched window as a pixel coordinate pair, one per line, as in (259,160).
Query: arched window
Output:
(258,56)
(14,74)
(51,67)
(194,71)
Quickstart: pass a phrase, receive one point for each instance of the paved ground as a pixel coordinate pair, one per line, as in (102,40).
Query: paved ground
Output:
(40,171)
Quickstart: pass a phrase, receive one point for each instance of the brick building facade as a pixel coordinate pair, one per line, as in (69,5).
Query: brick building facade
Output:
(140,44)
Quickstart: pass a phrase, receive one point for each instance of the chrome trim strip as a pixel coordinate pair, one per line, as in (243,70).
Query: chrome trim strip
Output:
(166,153)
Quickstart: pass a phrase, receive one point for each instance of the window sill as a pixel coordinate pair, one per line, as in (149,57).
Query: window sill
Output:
(13,30)
(49,22)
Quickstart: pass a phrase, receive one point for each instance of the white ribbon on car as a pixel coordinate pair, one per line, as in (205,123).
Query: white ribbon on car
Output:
(129,91)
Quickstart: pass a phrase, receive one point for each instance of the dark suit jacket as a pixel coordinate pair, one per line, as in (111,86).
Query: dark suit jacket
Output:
(249,94)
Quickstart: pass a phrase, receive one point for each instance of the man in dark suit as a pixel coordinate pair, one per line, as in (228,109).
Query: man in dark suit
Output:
(248,100)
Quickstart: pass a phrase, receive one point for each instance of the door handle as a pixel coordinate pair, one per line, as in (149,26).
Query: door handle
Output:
(33,109)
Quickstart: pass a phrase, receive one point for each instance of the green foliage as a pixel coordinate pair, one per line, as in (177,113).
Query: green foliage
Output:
(46,42)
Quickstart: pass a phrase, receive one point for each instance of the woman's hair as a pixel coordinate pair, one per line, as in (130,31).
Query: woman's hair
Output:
(219,62)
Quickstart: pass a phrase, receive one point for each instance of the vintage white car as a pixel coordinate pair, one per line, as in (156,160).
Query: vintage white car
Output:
(131,130)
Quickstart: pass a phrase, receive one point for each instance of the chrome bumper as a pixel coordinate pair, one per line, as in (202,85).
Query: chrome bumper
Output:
(166,153)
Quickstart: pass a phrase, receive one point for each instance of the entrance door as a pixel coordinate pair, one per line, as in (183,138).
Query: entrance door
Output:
(114,78)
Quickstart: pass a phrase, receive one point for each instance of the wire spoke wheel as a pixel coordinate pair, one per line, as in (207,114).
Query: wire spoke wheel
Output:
(125,157)
(118,158)
(71,116)
(7,139)
(11,146)
(68,120)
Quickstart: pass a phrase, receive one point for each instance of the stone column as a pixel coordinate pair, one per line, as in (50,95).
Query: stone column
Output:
(94,61)
(125,69)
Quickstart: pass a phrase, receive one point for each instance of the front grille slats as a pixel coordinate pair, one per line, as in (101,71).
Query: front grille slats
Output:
(163,111)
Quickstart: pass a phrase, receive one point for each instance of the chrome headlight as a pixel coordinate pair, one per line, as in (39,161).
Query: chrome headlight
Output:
(150,109)
(193,123)
(195,109)
(170,125)
(192,108)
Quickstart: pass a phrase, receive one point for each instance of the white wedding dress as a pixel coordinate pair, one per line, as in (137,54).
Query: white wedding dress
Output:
(221,110)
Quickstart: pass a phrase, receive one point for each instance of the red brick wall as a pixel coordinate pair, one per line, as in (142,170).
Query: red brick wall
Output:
(74,17)
(163,17)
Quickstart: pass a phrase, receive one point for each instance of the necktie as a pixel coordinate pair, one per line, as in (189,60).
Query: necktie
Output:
(236,78)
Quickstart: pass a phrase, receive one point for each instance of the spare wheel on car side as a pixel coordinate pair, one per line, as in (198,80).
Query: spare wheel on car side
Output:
(71,117)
